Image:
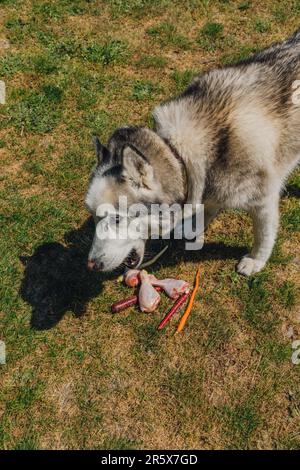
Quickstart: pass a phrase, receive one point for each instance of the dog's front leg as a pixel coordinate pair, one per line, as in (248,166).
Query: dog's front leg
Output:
(265,225)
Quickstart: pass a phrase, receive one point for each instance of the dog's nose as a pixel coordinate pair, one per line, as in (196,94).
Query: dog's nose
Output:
(93,265)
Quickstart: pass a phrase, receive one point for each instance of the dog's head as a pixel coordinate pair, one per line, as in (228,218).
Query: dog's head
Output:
(133,168)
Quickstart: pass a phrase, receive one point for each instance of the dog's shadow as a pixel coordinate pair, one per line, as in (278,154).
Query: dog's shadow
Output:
(56,279)
(292,191)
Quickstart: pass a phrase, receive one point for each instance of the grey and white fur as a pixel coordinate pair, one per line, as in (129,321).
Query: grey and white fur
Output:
(237,132)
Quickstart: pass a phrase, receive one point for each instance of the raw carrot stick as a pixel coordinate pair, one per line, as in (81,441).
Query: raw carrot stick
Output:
(190,304)
(180,301)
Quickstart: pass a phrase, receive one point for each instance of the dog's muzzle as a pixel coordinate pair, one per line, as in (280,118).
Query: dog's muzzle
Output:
(132,260)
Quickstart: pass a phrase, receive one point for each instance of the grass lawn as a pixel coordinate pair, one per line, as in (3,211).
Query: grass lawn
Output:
(93,380)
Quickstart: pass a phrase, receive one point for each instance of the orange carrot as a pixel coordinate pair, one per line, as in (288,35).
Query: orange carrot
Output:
(190,304)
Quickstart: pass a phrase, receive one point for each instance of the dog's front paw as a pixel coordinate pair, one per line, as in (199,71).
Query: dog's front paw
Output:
(248,266)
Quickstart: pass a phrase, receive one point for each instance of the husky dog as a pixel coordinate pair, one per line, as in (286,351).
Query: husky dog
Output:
(229,140)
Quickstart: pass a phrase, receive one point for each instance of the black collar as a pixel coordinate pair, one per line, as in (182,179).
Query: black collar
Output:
(184,172)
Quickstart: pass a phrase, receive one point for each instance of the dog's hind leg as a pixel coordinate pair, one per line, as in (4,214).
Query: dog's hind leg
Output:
(265,225)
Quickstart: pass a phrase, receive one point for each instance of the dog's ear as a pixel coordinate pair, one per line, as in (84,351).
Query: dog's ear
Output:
(137,168)
(102,153)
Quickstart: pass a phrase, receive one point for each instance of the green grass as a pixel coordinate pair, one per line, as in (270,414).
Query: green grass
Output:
(11,64)
(143,90)
(245,5)
(136,7)
(97,122)
(211,36)
(254,293)
(286,9)
(241,422)
(183,79)
(212,30)
(93,380)
(45,64)
(287,294)
(27,442)
(152,61)
(110,52)
(166,34)
(242,53)
(37,111)
(291,219)
(262,26)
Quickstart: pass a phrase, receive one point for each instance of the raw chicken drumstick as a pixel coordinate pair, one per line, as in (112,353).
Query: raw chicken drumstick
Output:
(174,288)
(149,298)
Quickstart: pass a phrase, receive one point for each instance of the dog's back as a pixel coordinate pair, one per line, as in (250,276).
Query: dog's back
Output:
(240,122)
(281,54)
